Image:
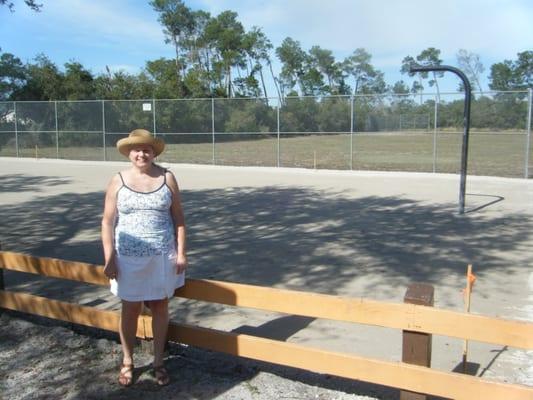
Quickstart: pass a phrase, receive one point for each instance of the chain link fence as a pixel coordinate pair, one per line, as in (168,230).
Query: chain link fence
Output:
(420,132)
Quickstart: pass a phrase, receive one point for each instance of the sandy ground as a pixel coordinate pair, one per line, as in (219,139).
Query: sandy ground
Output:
(344,233)
(40,360)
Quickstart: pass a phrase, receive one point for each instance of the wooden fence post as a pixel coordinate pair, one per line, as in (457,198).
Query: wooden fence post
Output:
(146,342)
(416,346)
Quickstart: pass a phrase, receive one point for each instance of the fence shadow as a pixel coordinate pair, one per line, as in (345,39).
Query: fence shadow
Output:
(280,328)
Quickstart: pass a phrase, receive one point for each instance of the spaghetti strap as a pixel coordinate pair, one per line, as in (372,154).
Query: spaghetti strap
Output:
(122,179)
(165,170)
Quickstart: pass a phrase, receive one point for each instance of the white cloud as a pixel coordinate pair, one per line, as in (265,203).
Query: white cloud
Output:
(494,27)
(392,29)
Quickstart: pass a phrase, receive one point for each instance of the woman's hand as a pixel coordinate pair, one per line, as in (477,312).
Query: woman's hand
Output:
(110,269)
(181,263)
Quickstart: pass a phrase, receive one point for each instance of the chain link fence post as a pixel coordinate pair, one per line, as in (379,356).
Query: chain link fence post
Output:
(154,117)
(213,128)
(16,129)
(528,133)
(351,132)
(435,116)
(279,135)
(57,130)
(103,130)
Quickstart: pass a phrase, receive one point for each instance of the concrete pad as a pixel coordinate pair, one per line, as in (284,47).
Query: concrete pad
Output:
(356,234)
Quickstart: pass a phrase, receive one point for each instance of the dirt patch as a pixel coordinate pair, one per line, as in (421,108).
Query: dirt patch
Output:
(40,359)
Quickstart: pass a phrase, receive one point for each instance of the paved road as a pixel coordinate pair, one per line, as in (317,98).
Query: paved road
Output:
(358,234)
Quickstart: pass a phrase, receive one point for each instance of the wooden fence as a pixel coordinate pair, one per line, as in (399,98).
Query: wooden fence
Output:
(410,317)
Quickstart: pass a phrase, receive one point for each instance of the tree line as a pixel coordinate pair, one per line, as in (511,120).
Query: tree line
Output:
(215,56)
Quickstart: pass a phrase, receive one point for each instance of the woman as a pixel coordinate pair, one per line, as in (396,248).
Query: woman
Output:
(143,236)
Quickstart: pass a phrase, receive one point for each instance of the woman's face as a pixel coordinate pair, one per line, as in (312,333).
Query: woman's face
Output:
(141,155)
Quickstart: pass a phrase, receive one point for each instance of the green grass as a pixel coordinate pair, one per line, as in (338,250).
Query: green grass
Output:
(493,154)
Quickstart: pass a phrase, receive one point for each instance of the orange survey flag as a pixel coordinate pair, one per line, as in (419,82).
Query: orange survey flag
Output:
(471,278)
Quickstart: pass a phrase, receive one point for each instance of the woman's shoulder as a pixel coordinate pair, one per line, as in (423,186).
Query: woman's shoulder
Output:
(122,176)
(170,180)
(119,176)
(123,173)
(115,182)
(166,172)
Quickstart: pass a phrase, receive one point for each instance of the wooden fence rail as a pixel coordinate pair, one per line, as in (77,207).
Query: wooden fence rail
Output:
(401,316)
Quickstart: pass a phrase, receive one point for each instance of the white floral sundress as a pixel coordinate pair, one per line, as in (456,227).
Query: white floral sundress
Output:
(145,245)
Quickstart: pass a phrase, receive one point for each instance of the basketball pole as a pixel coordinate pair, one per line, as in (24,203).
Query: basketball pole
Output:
(466,121)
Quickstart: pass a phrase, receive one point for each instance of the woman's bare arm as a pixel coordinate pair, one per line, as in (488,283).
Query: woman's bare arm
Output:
(108,225)
(179,221)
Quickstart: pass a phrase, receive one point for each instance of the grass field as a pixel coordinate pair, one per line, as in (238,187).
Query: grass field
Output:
(493,154)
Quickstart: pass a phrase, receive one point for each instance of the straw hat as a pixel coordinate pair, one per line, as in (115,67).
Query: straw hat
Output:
(140,136)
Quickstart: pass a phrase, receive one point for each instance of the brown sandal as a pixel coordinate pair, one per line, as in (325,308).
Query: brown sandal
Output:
(161,375)
(123,378)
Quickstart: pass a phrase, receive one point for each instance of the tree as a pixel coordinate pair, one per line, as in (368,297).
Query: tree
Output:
(427,57)
(324,62)
(263,46)
(358,66)
(44,81)
(30,3)
(193,40)
(312,81)
(430,57)
(199,80)
(119,86)
(472,67)
(502,76)
(12,75)
(513,75)
(178,22)
(400,97)
(301,68)
(78,82)
(161,74)
(524,69)
(417,86)
(257,47)
(293,60)
(376,85)
(251,48)
(227,34)
(400,88)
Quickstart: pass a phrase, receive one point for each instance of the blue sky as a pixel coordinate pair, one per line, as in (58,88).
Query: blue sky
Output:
(123,34)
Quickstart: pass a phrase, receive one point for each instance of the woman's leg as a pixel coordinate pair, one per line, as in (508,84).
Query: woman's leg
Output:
(159,310)
(128,328)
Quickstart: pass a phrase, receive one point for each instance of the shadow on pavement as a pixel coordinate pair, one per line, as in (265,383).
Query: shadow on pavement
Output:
(297,238)
(24,183)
